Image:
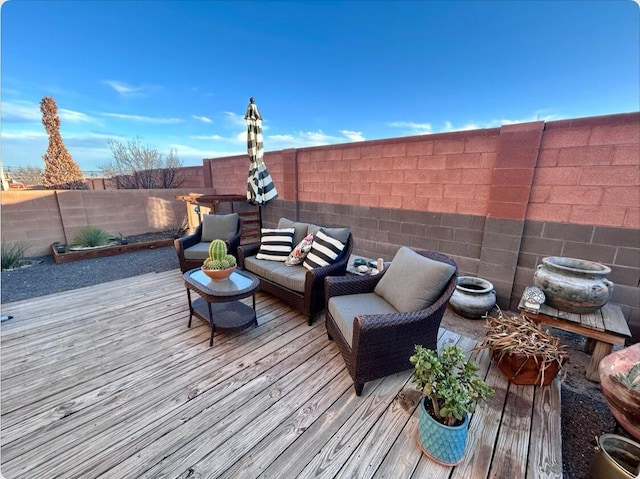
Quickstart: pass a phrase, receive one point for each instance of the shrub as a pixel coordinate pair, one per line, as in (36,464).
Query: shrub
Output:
(13,256)
(90,237)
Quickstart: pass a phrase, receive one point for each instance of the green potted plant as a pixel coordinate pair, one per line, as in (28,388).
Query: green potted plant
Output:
(451,389)
(219,264)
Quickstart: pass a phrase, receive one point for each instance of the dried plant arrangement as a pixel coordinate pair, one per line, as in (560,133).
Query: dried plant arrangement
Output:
(520,337)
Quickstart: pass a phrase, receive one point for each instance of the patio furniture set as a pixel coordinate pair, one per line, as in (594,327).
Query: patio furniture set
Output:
(375,319)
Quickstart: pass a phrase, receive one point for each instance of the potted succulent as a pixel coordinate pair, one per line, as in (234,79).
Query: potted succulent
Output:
(451,389)
(219,264)
(523,350)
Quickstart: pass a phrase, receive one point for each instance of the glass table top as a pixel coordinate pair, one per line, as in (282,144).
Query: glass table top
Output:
(237,283)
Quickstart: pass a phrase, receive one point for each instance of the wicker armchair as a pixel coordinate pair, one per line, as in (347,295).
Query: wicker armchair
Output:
(381,344)
(192,250)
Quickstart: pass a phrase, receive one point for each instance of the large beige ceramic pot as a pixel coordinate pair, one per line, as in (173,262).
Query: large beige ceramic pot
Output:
(573,285)
(623,401)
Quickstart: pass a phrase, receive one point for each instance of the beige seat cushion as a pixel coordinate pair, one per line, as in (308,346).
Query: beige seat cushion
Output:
(345,308)
(291,277)
(219,227)
(197,251)
(413,282)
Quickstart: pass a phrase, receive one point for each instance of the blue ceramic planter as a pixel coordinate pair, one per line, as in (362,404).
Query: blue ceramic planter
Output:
(444,444)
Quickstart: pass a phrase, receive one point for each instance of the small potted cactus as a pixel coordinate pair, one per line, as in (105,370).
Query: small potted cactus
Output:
(219,265)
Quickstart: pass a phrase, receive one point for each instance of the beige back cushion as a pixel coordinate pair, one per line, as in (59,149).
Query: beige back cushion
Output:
(300,228)
(219,227)
(413,282)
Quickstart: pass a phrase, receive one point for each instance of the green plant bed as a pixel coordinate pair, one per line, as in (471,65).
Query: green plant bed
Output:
(103,251)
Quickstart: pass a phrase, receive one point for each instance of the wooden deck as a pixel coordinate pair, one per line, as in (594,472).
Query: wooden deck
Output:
(108,381)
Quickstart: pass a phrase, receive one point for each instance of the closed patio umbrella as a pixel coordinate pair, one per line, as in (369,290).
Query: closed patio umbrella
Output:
(260,187)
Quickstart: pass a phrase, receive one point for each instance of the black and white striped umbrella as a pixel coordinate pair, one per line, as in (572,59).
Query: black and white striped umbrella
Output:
(260,187)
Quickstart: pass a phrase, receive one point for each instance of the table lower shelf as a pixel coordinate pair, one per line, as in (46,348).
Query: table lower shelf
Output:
(229,317)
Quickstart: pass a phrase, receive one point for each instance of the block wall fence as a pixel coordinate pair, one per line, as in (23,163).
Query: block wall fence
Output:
(38,218)
(496,200)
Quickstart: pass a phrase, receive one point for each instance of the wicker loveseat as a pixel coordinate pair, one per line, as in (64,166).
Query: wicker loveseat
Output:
(377,334)
(303,289)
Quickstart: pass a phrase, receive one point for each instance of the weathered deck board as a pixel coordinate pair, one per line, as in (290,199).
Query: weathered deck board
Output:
(108,381)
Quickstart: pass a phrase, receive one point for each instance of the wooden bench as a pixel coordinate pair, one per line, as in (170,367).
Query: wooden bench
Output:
(603,329)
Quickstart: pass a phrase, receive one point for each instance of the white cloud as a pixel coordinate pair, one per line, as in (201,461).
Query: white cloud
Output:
(353,135)
(26,111)
(144,119)
(74,116)
(203,119)
(127,90)
(22,135)
(538,115)
(208,137)
(20,111)
(412,128)
(236,119)
(308,138)
(191,156)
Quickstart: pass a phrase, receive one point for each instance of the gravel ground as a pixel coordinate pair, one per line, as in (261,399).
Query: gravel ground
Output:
(584,413)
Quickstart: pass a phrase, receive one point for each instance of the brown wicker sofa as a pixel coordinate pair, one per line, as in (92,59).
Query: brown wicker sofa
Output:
(302,289)
(374,337)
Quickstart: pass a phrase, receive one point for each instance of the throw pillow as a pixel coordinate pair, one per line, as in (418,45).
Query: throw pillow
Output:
(413,282)
(275,244)
(325,249)
(219,227)
(300,252)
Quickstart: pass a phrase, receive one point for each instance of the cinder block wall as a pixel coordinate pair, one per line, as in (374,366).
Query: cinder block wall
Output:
(496,200)
(38,218)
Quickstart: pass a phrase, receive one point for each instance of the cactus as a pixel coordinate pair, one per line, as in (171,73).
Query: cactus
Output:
(217,249)
(218,257)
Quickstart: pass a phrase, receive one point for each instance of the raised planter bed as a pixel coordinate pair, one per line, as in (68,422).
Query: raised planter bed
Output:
(69,256)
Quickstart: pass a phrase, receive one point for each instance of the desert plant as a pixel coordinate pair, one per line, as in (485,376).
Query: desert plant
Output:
(179,228)
(218,257)
(450,381)
(90,237)
(12,256)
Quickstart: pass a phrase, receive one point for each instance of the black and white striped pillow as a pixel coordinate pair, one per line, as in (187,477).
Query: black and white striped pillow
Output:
(276,244)
(325,249)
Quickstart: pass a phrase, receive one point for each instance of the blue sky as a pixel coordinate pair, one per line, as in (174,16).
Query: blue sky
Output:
(178,74)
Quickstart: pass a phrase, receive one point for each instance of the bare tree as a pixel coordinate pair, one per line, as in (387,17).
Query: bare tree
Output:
(136,166)
(60,171)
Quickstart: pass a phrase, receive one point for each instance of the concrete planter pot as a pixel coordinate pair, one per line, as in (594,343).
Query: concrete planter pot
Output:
(473,297)
(573,285)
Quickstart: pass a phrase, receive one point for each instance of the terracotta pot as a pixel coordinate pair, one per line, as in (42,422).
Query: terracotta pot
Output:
(573,285)
(473,297)
(623,402)
(218,274)
(521,369)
